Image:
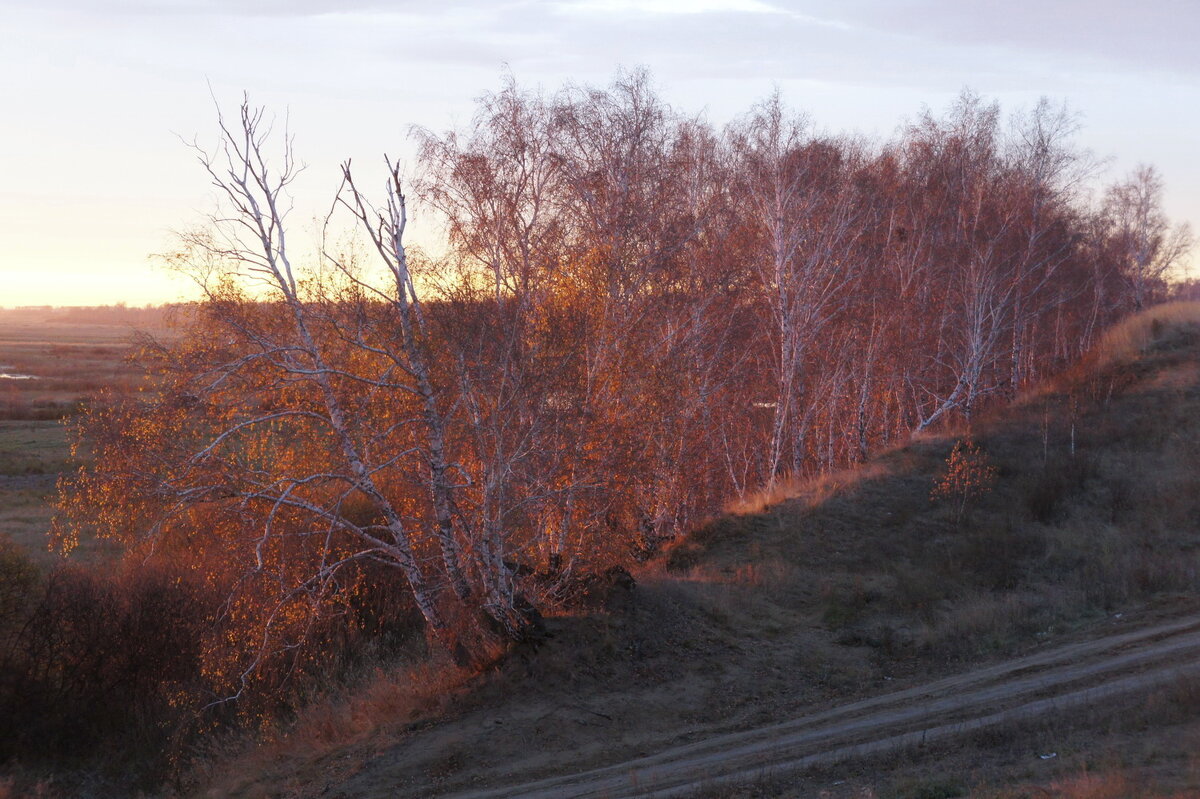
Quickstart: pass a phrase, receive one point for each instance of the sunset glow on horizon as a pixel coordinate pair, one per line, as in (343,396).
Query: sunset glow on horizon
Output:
(100,94)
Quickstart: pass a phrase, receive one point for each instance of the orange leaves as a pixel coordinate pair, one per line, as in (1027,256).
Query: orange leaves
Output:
(969,475)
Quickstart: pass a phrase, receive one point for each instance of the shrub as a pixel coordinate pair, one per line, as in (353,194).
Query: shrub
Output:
(969,475)
(94,660)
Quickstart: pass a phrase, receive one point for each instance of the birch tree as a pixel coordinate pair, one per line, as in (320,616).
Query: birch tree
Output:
(805,229)
(1146,244)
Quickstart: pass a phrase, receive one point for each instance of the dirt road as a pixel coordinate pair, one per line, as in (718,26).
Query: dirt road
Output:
(1062,678)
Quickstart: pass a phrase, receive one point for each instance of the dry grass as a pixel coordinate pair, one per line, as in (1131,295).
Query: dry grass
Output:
(384,701)
(1128,339)
(387,698)
(811,491)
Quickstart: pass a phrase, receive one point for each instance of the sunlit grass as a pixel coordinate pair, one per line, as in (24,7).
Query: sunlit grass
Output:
(1128,338)
(811,490)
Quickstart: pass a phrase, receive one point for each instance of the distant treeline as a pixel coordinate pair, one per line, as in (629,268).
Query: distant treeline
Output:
(147,316)
(1186,290)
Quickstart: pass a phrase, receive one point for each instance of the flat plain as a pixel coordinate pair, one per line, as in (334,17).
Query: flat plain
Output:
(51,362)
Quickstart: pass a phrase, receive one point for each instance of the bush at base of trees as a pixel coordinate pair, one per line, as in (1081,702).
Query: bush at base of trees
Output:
(114,671)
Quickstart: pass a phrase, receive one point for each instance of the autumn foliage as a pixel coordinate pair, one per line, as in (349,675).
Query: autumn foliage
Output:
(635,318)
(969,475)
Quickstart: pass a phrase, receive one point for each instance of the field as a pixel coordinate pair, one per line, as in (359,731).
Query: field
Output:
(62,356)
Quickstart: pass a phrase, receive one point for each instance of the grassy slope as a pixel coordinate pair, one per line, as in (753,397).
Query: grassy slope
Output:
(857,584)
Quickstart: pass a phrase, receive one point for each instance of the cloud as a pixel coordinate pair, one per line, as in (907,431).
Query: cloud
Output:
(641,8)
(1152,35)
(1080,35)
(258,8)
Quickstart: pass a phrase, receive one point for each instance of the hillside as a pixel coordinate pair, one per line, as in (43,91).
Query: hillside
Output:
(856,585)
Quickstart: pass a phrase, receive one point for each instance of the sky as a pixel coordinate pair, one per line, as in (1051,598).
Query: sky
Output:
(99,96)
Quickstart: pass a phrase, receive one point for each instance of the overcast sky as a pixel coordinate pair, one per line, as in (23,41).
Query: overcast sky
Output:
(95,93)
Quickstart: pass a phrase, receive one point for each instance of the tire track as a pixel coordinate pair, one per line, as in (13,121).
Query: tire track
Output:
(1061,678)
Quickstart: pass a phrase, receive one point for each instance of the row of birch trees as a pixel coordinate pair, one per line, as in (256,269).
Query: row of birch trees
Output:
(633,318)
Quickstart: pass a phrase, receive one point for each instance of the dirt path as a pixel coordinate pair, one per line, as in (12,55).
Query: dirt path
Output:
(1061,678)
